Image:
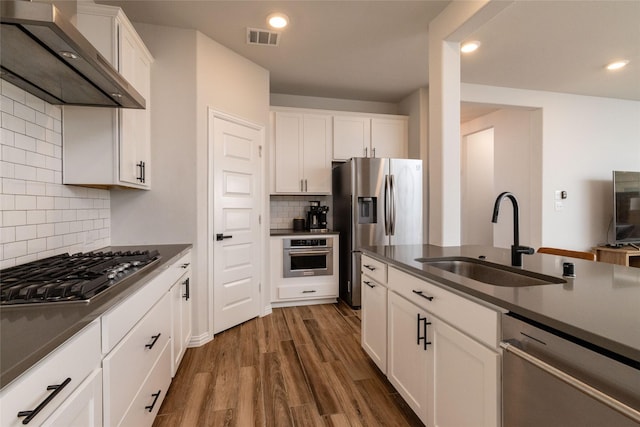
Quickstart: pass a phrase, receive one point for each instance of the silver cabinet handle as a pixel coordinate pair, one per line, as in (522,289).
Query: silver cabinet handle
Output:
(573,382)
(310,253)
(301,185)
(305,185)
(365,151)
(373,152)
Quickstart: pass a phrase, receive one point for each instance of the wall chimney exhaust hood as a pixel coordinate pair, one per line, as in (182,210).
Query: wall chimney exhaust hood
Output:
(47,56)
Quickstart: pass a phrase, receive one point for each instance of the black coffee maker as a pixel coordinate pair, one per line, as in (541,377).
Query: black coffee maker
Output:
(317,217)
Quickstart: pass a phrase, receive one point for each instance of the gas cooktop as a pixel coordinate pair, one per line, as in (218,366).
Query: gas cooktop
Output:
(70,278)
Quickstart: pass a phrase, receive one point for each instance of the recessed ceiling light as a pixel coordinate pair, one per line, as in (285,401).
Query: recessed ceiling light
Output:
(278,20)
(469,47)
(617,64)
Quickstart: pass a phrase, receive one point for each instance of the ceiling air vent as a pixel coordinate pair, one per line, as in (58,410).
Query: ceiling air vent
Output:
(262,37)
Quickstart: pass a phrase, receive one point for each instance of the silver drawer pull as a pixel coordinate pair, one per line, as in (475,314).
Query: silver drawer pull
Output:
(574,382)
(368,267)
(422,295)
(368,284)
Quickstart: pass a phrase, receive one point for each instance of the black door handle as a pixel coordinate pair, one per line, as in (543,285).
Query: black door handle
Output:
(221,236)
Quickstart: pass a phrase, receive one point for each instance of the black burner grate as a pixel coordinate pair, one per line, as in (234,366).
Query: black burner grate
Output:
(65,277)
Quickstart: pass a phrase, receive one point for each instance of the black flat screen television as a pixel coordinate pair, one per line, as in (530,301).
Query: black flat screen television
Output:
(626,207)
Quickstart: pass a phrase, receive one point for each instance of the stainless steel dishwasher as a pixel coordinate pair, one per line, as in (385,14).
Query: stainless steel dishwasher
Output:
(550,379)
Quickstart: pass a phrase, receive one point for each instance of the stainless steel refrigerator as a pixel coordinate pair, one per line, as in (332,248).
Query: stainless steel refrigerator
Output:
(375,202)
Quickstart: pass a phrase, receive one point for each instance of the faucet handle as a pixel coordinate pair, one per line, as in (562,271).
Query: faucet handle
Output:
(526,250)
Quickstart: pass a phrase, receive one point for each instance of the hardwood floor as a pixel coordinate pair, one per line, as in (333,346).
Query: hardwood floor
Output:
(300,366)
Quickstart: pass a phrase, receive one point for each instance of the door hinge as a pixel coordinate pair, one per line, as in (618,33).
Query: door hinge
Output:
(259,150)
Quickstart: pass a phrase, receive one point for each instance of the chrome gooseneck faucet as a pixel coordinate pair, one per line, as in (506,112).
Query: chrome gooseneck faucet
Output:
(516,249)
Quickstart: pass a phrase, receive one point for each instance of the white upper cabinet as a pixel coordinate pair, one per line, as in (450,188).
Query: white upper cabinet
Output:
(370,136)
(351,137)
(302,153)
(111,146)
(389,137)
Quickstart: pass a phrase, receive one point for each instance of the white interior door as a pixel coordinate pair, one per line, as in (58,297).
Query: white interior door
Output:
(236,221)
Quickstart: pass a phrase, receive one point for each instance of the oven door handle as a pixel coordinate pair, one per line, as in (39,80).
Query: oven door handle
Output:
(572,381)
(310,253)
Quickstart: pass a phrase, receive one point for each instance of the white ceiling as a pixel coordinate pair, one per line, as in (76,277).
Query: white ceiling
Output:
(377,50)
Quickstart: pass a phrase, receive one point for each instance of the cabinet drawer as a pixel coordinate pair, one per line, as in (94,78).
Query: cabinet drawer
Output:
(126,367)
(75,359)
(118,321)
(147,402)
(308,291)
(474,319)
(375,269)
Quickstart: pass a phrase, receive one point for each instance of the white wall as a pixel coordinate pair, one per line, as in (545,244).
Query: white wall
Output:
(416,106)
(335,104)
(190,73)
(516,168)
(582,140)
(40,217)
(478,191)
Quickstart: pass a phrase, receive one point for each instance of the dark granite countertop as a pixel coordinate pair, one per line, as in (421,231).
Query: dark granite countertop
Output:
(601,305)
(28,334)
(292,232)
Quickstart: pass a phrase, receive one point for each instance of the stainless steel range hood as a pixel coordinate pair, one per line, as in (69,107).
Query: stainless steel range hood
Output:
(45,54)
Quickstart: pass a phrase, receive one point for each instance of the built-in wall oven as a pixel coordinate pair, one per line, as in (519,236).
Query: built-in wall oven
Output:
(305,257)
(554,380)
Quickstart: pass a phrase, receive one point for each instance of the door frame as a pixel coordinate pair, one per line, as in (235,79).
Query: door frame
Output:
(211,115)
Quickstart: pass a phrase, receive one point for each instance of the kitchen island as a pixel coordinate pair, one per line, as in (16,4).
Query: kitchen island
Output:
(599,306)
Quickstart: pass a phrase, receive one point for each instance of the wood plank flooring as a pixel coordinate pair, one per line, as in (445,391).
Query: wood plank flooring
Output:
(299,366)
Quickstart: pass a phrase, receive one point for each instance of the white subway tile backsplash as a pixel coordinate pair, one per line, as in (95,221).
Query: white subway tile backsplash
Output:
(24,112)
(34,130)
(26,232)
(25,202)
(40,217)
(11,218)
(35,103)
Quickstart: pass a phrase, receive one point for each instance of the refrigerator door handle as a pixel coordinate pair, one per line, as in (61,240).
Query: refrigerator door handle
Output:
(392,216)
(387,206)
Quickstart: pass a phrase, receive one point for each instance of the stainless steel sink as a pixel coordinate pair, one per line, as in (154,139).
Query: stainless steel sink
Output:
(490,273)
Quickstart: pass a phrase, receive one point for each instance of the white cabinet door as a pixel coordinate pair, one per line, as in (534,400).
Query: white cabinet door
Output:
(181,320)
(408,367)
(317,153)
(374,321)
(351,137)
(466,379)
(302,153)
(288,152)
(109,146)
(389,138)
(83,408)
(135,124)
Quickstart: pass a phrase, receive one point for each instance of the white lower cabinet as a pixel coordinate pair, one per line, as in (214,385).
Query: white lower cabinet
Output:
(311,289)
(52,383)
(83,408)
(374,317)
(466,379)
(409,368)
(129,363)
(180,318)
(116,371)
(442,351)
